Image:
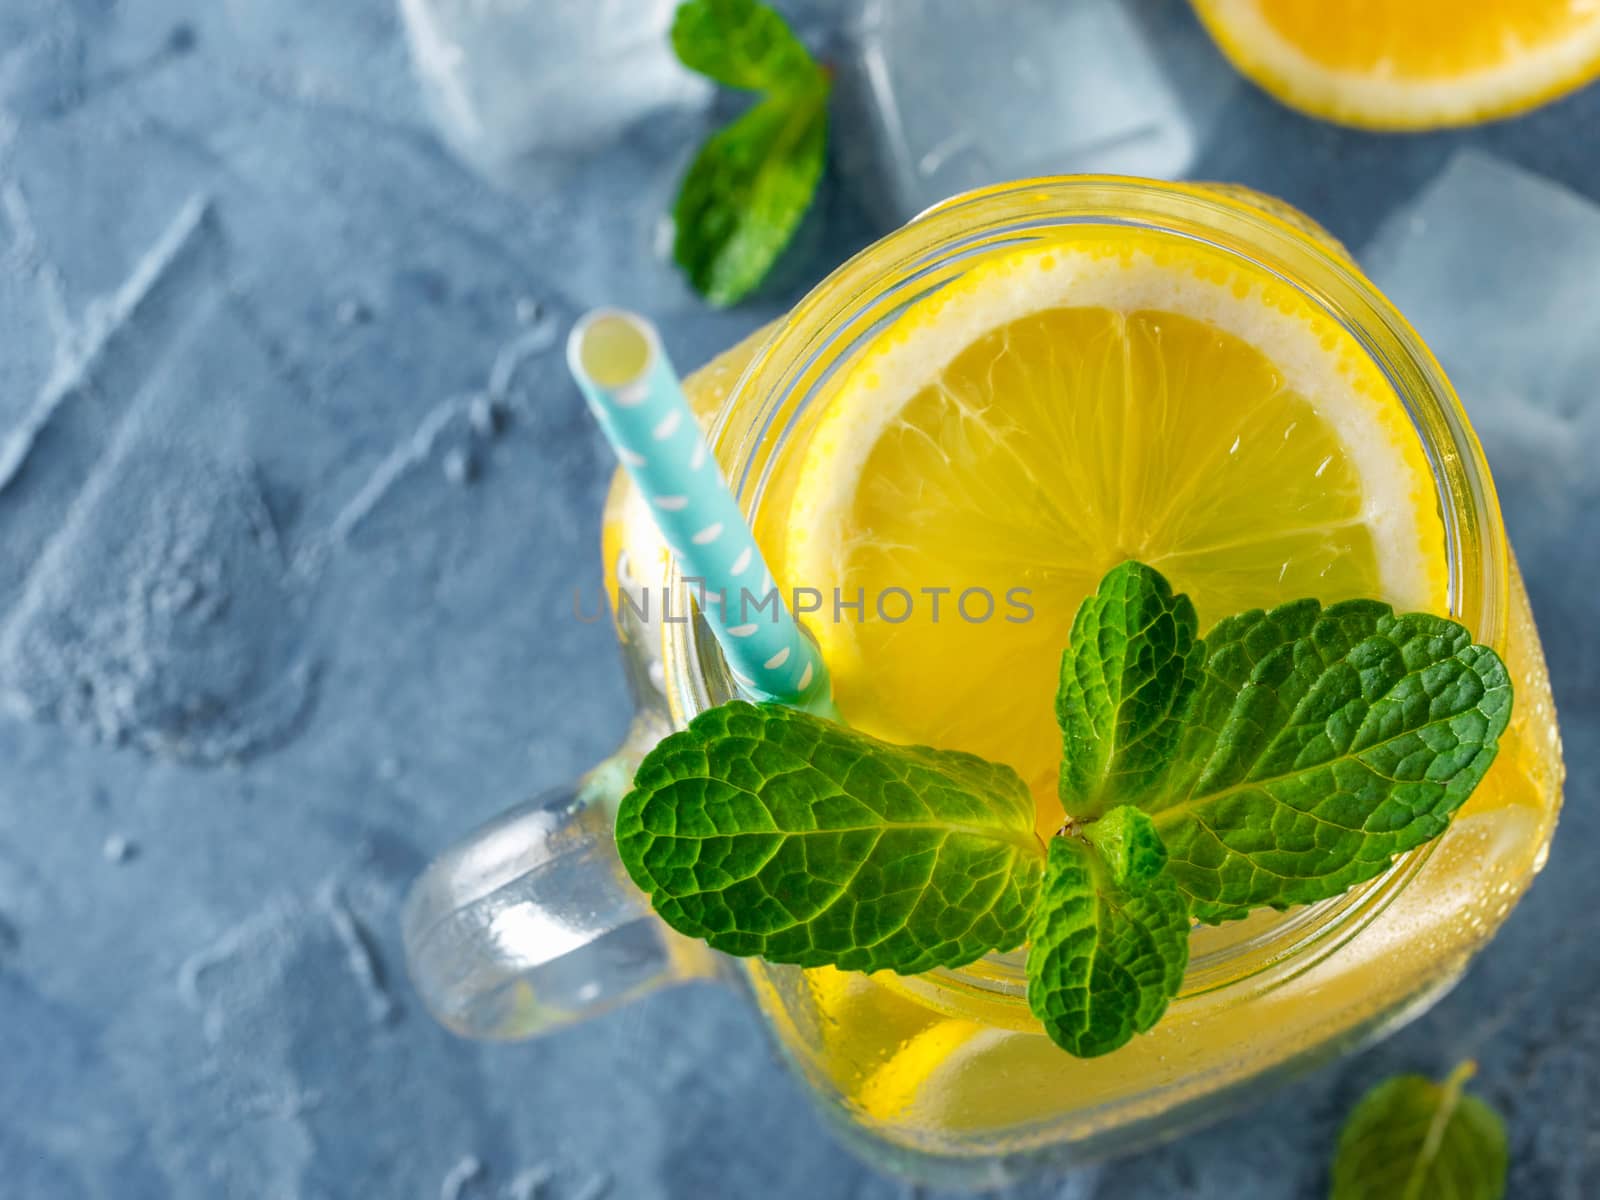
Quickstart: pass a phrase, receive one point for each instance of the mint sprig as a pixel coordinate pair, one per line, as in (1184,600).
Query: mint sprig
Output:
(1410,1138)
(1289,755)
(768,831)
(1319,746)
(750,185)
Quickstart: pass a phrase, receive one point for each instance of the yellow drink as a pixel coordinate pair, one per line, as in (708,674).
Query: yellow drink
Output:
(1195,386)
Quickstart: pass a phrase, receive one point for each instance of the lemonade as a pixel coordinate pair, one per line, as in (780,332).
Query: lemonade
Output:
(1048,379)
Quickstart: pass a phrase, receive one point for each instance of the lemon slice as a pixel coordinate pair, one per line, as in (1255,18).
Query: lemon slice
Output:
(890,1091)
(1412,64)
(1108,394)
(966,1076)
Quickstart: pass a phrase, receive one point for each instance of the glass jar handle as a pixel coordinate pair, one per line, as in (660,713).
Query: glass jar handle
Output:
(531,923)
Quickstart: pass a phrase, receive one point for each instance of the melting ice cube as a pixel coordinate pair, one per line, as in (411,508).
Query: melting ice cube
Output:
(942,96)
(1499,270)
(511,79)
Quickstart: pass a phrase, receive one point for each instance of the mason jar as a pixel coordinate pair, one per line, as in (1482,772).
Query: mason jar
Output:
(946,1077)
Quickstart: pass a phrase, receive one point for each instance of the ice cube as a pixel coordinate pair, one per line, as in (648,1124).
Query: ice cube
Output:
(558,101)
(548,79)
(1498,268)
(941,96)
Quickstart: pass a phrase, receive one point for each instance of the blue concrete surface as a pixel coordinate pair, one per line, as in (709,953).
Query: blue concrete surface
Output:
(286,568)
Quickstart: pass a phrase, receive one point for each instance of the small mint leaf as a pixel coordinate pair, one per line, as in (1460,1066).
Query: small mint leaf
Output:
(742,44)
(747,191)
(1412,1139)
(767,831)
(1104,958)
(1127,680)
(1322,744)
(1127,840)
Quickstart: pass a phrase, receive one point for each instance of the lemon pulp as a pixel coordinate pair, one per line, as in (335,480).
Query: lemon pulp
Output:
(1103,395)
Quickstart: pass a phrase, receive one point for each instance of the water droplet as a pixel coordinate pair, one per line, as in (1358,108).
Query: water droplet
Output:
(486,416)
(352,312)
(459,467)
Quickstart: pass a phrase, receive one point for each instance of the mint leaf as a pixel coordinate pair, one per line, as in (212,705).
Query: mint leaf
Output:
(1105,956)
(764,830)
(1127,680)
(1412,1139)
(749,187)
(742,44)
(746,192)
(1323,743)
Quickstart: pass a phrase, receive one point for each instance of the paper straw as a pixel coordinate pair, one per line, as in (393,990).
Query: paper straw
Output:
(617,359)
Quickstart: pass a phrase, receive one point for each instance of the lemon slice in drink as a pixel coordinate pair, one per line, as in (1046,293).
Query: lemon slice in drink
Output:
(1110,393)
(1415,64)
(890,1091)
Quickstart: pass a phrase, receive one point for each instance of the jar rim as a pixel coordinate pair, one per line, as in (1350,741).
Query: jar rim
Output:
(807,345)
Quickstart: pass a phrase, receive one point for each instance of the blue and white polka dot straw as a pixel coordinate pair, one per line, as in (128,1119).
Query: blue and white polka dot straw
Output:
(617,359)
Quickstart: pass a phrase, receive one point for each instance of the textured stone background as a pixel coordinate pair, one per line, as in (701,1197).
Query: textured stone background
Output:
(279,619)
